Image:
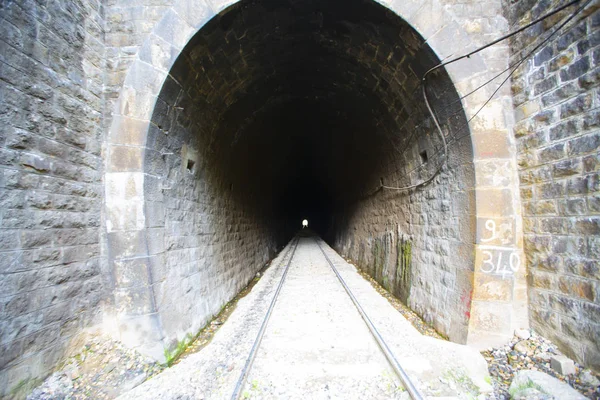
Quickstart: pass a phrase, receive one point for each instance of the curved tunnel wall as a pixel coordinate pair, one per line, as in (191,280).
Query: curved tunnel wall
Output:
(311,105)
(279,111)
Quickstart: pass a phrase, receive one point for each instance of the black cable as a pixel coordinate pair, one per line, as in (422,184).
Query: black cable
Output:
(516,66)
(507,36)
(500,39)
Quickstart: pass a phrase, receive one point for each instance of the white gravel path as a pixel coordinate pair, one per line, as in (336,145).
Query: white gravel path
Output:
(316,345)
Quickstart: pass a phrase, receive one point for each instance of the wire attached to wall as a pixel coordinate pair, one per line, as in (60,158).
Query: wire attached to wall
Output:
(514,68)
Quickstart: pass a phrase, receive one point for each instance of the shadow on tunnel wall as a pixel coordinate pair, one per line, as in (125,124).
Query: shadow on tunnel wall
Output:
(278,111)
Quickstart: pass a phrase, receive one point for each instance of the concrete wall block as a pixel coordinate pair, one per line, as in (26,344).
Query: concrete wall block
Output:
(173,29)
(132,272)
(494,202)
(499,231)
(494,172)
(429,18)
(194,12)
(219,5)
(491,144)
(127,244)
(452,40)
(158,53)
(145,77)
(144,333)
(492,288)
(135,104)
(134,301)
(155,214)
(123,194)
(156,240)
(125,159)
(128,131)
(489,318)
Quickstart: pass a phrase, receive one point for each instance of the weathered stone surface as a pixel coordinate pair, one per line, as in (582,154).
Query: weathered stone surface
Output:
(84,87)
(546,387)
(51,277)
(563,365)
(564,78)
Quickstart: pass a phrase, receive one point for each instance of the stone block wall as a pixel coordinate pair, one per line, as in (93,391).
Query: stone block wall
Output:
(128,23)
(556,99)
(418,244)
(51,105)
(192,230)
(209,240)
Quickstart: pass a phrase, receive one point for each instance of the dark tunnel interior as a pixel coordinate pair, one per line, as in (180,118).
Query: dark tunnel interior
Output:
(280,110)
(303,106)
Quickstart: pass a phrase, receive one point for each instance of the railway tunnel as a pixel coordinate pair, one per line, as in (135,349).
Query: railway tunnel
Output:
(279,111)
(156,155)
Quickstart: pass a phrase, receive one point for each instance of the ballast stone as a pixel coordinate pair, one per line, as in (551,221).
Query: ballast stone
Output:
(544,387)
(522,334)
(563,365)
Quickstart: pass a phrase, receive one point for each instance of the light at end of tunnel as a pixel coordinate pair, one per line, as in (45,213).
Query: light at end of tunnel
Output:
(304,223)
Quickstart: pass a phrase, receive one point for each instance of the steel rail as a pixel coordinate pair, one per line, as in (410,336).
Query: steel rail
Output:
(412,390)
(240,383)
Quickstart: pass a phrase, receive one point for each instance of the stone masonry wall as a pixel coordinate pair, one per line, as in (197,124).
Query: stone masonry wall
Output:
(419,243)
(51,285)
(556,99)
(211,242)
(450,27)
(127,24)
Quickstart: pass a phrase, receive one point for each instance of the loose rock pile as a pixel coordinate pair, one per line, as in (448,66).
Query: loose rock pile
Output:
(528,351)
(103,369)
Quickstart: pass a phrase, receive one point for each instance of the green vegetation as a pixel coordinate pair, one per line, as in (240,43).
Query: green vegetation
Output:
(377,260)
(523,386)
(403,268)
(461,379)
(22,385)
(254,390)
(182,345)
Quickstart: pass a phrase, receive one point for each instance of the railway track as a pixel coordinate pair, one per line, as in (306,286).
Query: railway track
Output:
(412,390)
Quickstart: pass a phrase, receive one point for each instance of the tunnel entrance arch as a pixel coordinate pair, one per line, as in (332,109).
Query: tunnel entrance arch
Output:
(189,137)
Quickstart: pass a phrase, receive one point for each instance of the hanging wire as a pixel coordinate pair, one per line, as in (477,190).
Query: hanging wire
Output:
(514,68)
(510,66)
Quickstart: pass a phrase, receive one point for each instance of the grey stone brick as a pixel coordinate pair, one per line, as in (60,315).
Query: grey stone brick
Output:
(576,207)
(567,167)
(563,130)
(552,153)
(543,56)
(576,106)
(590,80)
(572,36)
(561,94)
(575,70)
(587,226)
(585,144)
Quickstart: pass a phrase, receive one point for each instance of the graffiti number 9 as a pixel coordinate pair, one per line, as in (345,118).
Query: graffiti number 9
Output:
(490,225)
